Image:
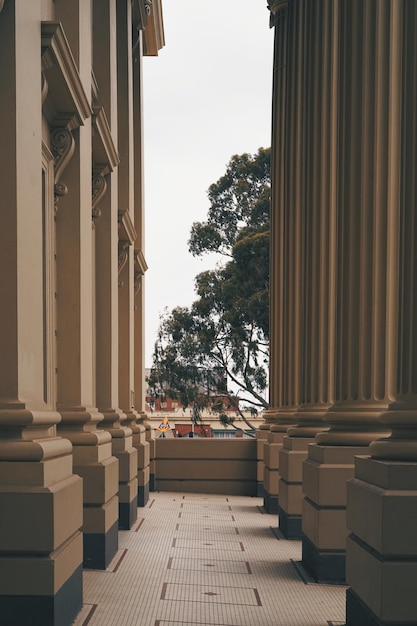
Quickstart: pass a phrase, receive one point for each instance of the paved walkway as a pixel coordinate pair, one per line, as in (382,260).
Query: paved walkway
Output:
(194,559)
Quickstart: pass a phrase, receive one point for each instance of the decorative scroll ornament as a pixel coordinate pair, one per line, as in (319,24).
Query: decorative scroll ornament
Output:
(148,5)
(137,283)
(44,91)
(99,189)
(63,146)
(123,256)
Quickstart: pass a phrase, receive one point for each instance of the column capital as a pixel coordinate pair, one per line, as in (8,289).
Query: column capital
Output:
(275,7)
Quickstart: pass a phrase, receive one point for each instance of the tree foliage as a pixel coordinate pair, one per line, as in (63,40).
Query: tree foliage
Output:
(221,340)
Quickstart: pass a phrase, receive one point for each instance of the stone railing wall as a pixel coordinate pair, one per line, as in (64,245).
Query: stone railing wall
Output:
(225,466)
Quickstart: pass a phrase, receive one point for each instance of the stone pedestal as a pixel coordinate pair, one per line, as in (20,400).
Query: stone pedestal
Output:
(261,439)
(382,547)
(271,467)
(291,457)
(142,448)
(41,543)
(152,464)
(125,453)
(99,469)
(325,475)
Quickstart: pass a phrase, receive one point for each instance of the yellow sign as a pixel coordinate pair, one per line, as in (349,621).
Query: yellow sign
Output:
(164,427)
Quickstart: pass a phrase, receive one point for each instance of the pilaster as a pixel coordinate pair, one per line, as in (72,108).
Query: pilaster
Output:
(127,238)
(40,561)
(139,268)
(76,203)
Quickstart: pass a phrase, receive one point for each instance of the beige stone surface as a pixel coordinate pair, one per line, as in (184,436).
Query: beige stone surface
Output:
(101,480)
(386,586)
(99,519)
(326,528)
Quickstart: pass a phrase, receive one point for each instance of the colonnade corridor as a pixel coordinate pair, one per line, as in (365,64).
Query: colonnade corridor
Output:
(207,559)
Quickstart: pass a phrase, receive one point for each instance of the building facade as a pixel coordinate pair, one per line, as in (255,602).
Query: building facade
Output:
(74,451)
(343,297)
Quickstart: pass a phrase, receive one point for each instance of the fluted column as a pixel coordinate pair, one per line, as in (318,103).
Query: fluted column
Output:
(270,434)
(360,350)
(382,498)
(317,103)
(40,496)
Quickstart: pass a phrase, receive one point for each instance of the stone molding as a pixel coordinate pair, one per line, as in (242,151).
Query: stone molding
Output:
(127,236)
(105,155)
(140,267)
(66,96)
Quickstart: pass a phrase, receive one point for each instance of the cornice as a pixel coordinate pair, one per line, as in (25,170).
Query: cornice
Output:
(153,36)
(140,267)
(105,155)
(140,264)
(127,232)
(65,96)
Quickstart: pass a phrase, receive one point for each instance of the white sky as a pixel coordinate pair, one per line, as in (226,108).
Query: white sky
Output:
(207,96)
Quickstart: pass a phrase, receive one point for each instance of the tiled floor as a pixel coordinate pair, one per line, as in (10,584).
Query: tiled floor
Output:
(194,559)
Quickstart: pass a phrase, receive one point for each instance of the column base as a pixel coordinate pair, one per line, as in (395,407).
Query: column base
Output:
(128,513)
(152,482)
(359,614)
(143,494)
(100,548)
(270,503)
(260,491)
(324,567)
(290,525)
(62,608)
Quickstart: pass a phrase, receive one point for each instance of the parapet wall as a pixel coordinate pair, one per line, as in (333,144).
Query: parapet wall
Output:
(225,466)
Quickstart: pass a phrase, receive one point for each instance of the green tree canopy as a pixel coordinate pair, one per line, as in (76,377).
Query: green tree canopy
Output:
(226,329)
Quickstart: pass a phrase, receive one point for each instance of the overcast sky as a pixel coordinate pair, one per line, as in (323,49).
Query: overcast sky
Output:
(207,96)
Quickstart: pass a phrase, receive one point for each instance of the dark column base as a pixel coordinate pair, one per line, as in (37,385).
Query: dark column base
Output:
(270,503)
(128,513)
(358,613)
(62,608)
(100,548)
(324,567)
(152,482)
(143,494)
(290,525)
(260,492)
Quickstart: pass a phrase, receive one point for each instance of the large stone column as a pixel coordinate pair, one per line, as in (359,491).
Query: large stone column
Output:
(382,497)
(313,69)
(40,497)
(270,434)
(360,350)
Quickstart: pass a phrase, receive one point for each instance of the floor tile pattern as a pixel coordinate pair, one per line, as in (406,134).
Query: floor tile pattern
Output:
(196,559)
